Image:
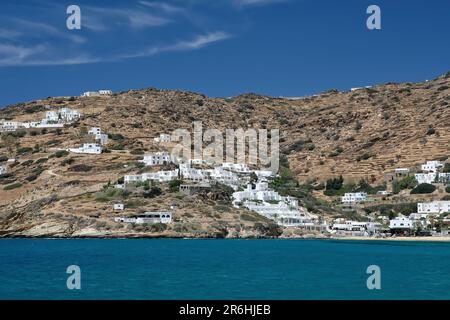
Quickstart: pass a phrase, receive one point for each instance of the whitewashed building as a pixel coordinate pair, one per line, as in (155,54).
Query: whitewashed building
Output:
(349,198)
(261,192)
(432,166)
(429,177)
(105,92)
(157,158)
(88,148)
(401,223)
(436,207)
(147,218)
(118,206)
(163,138)
(236,167)
(268,203)
(8,125)
(91,94)
(3,170)
(68,115)
(99,136)
(160,176)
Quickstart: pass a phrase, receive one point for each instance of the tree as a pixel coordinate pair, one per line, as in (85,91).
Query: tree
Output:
(423,188)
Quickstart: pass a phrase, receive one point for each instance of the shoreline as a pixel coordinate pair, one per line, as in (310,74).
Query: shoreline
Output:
(351,238)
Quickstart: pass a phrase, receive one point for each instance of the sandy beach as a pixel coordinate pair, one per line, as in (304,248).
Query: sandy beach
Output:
(427,239)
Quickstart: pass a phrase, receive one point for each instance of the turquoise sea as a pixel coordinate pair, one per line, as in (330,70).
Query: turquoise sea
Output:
(223,269)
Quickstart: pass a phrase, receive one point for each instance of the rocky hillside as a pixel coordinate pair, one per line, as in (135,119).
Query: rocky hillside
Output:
(358,134)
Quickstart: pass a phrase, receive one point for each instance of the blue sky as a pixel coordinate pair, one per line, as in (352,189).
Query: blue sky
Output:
(218,47)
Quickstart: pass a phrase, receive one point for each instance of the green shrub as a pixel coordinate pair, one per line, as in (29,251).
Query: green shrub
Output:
(174,185)
(61,153)
(12,186)
(24,150)
(41,160)
(27,163)
(68,161)
(406,183)
(423,188)
(80,168)
(447,189)
(3,158)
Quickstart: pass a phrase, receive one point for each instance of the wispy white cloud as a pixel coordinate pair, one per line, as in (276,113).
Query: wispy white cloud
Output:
(102,19)
(163,7)
(38,55)
(248,3)
(197,42)
(41,55)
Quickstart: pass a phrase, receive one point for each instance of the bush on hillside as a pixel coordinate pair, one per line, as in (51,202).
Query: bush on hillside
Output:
(423,188)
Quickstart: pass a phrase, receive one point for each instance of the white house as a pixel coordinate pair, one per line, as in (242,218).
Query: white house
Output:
(383,193)
(436,207)
(148,217)
(401,171)
(163,137)
(95,131)
(88,148)
(354,197)
(51,117)
(157,158)
(261,192)
(2,169)
(90,94)
(105,92)
(432,166)
(236,167)
(99,136)
(118,206)
(68,115)
(401,223)
(429,177)
(192,174)
(160,176)
(8,125)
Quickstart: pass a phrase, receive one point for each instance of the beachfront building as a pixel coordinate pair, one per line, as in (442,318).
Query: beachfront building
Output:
(147,218)
(157,158)
(286,213)
(163,138)
(432,166)
(118,206)
(87,148)
(433,207)
(401,223)
(268,203)
(261,192)
(357,197)
(355,228)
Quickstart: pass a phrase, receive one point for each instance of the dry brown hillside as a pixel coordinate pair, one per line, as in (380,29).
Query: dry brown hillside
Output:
(358,134)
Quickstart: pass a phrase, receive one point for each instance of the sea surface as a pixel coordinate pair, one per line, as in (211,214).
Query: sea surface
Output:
(223,269)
